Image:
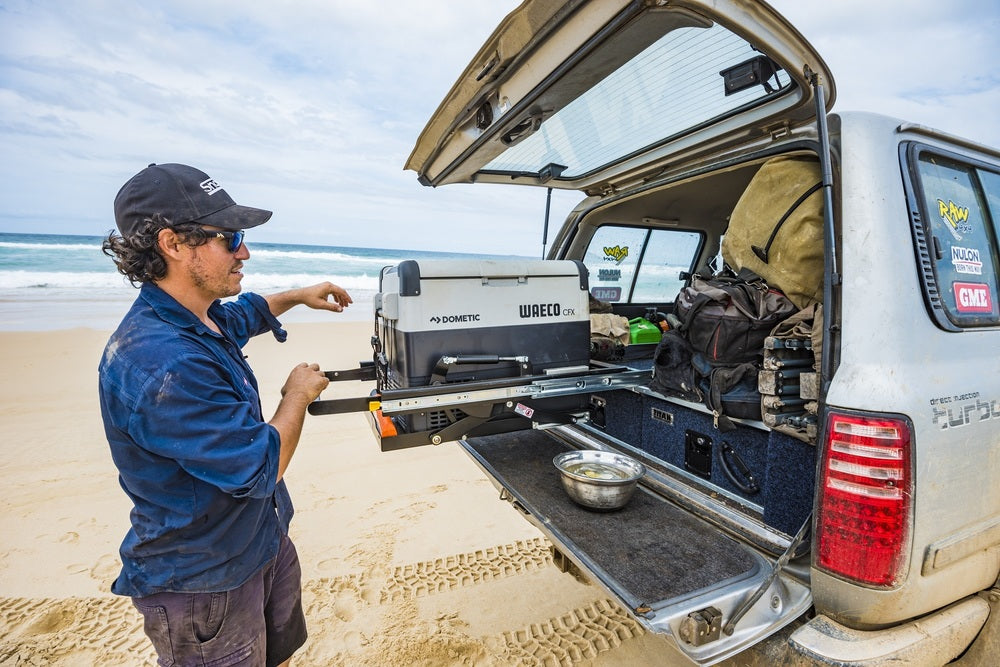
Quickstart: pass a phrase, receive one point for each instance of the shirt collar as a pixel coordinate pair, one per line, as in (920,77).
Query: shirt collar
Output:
(168,309)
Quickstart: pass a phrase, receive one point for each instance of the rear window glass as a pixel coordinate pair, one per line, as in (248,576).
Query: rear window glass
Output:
(676,84)
(639,265)
(961,205)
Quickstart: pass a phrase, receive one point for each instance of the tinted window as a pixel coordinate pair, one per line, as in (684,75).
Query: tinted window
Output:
(672,86)
(636,265)
(961,203)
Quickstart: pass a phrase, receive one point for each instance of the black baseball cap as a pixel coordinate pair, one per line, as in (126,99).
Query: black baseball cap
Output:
(181,194)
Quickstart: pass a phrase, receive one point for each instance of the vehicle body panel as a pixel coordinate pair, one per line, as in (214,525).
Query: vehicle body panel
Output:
(894,359)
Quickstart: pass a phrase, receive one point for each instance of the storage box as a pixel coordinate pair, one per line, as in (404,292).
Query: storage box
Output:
(470,310)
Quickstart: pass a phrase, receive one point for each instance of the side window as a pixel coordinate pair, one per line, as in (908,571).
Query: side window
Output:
(668,254)
(639,265)
(960,204)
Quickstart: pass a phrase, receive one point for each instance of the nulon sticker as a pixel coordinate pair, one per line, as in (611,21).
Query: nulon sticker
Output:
(609,275)
(966,260)
(972,298)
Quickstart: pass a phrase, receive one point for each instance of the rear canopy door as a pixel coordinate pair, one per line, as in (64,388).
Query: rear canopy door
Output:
(587,95)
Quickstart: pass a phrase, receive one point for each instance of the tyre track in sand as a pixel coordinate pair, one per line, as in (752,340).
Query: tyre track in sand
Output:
(360,619)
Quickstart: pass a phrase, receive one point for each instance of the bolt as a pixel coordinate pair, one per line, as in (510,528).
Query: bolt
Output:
(775,602)
(436,439)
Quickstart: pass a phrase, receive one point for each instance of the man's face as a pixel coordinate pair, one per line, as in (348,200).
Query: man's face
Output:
(213,269)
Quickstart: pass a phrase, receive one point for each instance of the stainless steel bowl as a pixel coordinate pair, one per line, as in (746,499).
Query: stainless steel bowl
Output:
(599,480)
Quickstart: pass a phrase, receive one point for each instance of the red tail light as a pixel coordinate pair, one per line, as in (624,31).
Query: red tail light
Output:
(863,521)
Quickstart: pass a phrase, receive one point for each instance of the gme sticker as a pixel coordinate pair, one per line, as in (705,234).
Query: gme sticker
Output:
(607,293)
(972,298)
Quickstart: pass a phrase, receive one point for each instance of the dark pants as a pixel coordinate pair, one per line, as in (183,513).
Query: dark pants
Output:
(256,625)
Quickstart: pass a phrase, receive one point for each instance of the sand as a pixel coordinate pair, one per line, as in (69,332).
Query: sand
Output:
(408,557)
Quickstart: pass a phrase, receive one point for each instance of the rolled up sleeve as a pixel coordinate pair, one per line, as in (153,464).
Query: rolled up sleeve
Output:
(249,316)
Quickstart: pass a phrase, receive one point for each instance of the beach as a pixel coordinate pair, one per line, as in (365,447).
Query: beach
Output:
(408,557)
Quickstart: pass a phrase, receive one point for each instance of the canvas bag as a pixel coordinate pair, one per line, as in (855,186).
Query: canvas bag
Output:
(726,318)
(776,228)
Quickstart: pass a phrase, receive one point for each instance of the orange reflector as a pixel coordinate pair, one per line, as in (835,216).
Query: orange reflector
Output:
(386,427)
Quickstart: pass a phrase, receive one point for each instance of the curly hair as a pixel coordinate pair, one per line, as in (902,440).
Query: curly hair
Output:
(138,257)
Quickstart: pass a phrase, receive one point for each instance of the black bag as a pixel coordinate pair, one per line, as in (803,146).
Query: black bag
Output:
(727,317)
(673,371)
(729,390)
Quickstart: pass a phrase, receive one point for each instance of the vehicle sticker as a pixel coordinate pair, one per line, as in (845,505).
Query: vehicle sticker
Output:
(524,410)
(616,254)
(606,293)
(609,275)
(955,217)
(963,409)
(973,298)
(966,260)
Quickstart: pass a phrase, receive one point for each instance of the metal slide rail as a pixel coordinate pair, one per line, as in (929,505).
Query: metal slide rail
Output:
(482,401)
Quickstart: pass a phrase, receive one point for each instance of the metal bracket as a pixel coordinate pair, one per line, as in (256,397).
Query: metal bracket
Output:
(701,627)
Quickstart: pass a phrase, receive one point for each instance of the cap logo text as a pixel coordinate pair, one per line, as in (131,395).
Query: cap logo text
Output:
(210,186)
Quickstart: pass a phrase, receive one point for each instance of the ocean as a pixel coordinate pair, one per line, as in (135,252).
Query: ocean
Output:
(55,281)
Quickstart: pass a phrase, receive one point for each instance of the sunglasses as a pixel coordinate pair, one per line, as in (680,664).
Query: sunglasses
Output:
(233,239)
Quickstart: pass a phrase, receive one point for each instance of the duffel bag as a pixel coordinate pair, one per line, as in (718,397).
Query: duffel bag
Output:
(726,318)
(728,391)
(776,228)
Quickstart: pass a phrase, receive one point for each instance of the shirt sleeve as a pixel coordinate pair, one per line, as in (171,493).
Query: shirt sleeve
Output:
(190,412)
(247,317)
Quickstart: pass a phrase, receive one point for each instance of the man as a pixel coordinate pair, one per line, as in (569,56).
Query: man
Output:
(207,561)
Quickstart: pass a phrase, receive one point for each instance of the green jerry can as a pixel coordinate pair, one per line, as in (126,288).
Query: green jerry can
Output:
(642,330)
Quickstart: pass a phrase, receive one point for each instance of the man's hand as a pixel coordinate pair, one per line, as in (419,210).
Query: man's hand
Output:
(304,384)
(306,381)
(316,297)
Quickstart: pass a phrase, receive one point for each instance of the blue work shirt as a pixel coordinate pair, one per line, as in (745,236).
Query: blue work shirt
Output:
(183,417)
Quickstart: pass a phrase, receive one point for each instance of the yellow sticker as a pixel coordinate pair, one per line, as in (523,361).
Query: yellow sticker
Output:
(618,253)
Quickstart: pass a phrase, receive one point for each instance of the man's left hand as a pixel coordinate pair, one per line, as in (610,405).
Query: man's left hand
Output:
(318,297)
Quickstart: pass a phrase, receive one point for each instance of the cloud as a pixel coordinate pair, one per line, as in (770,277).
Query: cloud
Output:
(926,62)
(310,108)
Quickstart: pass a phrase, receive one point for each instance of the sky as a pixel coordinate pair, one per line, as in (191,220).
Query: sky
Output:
(310,108)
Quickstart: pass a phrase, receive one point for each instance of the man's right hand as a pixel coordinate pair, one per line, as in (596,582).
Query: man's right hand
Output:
(304,384)
(307,380)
